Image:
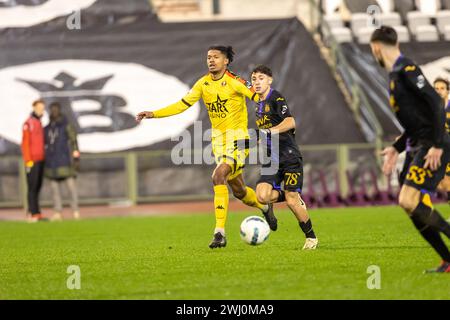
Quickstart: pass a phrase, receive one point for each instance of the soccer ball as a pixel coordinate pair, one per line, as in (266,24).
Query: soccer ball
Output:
(254,230)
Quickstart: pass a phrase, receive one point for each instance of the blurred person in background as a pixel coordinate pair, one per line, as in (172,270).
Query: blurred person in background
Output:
(33,156)
(420,111)
(442,87)
(62,159)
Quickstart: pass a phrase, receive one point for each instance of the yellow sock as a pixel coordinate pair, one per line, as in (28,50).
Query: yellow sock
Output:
(426,200)
(221,205)
(251,200)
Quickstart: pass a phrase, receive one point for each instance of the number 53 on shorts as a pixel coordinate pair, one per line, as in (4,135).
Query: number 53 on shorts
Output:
(418,175)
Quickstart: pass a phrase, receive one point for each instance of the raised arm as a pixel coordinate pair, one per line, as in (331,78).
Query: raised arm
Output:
(175,108)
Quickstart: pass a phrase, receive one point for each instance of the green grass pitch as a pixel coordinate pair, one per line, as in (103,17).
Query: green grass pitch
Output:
(168,258)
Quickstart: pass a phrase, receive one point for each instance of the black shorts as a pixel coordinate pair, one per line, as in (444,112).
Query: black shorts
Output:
(290,175)
(402,175)
(425,179)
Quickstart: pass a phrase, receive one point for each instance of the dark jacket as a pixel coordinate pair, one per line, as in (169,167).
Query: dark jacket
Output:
(60,143)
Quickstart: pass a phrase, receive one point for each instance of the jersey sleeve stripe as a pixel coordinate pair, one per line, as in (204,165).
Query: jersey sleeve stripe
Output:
(235,77)
(186,103)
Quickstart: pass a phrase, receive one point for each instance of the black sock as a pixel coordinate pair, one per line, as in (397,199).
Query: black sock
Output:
(432,218)
(448,197)
(307,229)
(437,219)
(281,196)
(433,238)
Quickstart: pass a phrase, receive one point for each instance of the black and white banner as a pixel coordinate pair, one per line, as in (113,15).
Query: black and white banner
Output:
(26,13)
(99,97)
(122,60)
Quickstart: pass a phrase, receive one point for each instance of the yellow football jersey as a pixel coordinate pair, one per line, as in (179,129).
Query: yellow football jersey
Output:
(225,102)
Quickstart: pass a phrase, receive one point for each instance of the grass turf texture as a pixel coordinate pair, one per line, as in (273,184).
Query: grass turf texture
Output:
(168,258)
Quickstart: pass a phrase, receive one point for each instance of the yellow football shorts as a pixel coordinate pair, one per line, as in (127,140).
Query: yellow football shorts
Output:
(232,153)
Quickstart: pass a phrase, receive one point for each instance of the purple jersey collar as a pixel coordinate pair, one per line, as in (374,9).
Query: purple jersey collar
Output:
(397,61)
(268,96)
(260,103)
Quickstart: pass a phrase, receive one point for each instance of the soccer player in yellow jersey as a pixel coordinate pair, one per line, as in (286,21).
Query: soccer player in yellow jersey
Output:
(224,96)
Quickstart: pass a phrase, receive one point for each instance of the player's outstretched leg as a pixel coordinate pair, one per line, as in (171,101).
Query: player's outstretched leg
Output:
(427,221)
(248,196)
(221,200)
(298,207)
(267,195)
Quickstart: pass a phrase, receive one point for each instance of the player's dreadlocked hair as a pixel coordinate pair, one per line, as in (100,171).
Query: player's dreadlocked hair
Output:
(226,50)
(386,35)
(443,80)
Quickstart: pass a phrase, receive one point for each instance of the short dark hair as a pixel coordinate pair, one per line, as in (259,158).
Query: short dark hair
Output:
(443,80)
(36,102)
(55,105)
(226,50)
(262,69)
(386,35)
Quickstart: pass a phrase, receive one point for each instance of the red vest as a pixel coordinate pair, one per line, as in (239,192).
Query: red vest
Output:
(33,140)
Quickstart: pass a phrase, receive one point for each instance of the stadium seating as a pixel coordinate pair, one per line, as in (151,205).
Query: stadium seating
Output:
(363,190)
(357,196)
(442,20)
(414,20)
(428,22)
(342,34)
(381,197)
(403,34)
(426,33)
(310,196)
(330,7)
(417,19)
(331,198)
(390,18)
(334,21)
(386,5)
(177,6)
(447,33)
